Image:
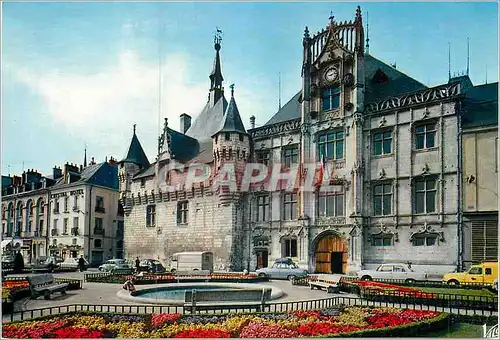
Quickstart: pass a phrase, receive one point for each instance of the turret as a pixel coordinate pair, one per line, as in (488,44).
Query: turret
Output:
(231,144)
(135,161)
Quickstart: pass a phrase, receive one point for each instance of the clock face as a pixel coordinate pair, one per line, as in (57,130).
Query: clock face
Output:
(331,74)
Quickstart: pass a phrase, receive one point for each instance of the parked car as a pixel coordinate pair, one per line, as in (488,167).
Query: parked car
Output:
(394,271)
(114,264)
(282,269)
(71,263)
(483,273)
(151,266)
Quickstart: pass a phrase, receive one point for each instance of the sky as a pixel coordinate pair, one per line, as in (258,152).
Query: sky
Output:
(76,74)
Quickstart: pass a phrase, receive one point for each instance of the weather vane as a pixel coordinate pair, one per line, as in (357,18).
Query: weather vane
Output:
(218,36)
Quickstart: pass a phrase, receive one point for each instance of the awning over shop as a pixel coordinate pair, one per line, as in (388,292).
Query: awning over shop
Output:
(5,243)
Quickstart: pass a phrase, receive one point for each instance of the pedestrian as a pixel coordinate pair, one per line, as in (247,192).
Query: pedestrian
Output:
(137,264)
(18,263)
(129,285)
(81,263)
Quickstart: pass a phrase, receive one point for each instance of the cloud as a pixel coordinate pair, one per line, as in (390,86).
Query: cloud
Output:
(100,108)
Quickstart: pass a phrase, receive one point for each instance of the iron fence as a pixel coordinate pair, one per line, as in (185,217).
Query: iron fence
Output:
(245,308)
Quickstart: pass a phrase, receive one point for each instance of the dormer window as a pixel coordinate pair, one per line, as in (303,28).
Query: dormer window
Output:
(227,136)
(331,98)
(380,77)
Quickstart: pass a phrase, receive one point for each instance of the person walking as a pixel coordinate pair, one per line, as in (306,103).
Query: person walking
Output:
(137,264)
(18,263)
(81,263)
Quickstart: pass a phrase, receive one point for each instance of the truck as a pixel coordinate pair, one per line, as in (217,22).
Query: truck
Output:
(192,260)
(484,273)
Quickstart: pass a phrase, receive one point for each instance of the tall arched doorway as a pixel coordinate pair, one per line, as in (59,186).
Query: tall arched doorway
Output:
(330,255)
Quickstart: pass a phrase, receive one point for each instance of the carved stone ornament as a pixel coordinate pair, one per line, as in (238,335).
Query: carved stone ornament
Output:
(425,169)
(348,80)
(427,96)
(348,59)
(276,129)
(357,119)
(262,145)
(330,221)
(348,106)
(314,90)
(305,129)
(382,122)
(425,113)
(427,229)
(381,174)
(384,230)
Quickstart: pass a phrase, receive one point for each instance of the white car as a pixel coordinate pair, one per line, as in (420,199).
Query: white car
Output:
(114,264)
(72,263)
(392,271)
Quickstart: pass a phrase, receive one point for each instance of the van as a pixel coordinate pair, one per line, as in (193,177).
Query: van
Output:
(483,273)
(193,260)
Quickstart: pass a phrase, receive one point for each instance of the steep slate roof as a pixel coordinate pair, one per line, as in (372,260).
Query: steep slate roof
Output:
(289,111)
(103,174)
(480,106)
(398,82)
(231,122)
(208,121)
(183,147)
(136,153)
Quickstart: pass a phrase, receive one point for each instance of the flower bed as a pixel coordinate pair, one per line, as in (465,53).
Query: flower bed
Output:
(172,278)
(11,288)
(379,288)
(338,321)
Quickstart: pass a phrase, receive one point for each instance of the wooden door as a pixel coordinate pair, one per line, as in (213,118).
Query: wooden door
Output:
(262,261)
(323,254)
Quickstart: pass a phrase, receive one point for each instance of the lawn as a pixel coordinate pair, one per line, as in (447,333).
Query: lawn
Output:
(457,291)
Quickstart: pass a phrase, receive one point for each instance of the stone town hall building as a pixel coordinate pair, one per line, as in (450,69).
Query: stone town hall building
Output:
(391,143)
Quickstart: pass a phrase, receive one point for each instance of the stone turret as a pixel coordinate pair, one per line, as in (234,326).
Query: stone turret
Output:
(135,161)
(231,145)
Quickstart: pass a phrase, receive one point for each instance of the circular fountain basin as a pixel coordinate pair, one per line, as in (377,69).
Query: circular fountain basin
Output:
(173,293)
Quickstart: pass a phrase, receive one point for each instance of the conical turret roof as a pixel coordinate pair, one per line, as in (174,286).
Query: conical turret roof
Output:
(231,122)
(136,153)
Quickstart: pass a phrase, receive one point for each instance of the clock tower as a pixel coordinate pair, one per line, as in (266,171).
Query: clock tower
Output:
(331,119)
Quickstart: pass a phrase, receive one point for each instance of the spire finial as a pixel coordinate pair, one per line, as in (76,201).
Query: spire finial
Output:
(367,35)
(134,128)
(232,89)
(331,17)
(449,60)
(358,13)
(85,156)
(217,38)
(306,33)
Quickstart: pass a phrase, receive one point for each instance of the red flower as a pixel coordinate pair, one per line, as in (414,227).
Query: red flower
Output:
(203,333)
(159,320)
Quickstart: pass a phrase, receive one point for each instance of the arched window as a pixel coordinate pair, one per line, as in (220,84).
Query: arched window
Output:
(39,207)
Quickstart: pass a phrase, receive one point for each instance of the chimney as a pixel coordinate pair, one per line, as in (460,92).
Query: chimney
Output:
(56,172)
(185,122)
(252,122)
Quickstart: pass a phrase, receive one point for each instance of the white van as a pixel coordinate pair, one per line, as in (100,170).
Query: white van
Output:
(192,260)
